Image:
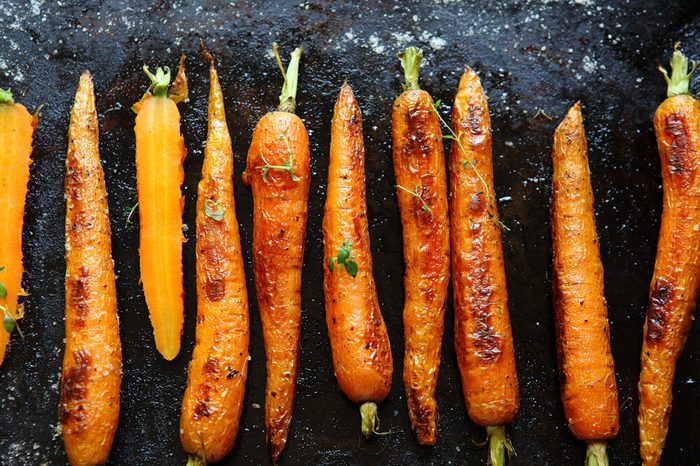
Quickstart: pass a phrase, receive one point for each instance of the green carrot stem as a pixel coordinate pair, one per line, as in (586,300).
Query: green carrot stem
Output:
(370,420)
(500,449)
(288,97)
(679,82)
(159,82)
(6,96)
(596,455)
(410,62)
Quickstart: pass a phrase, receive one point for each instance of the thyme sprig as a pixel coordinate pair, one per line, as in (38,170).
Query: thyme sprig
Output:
(344,258)
(487,193)
(417,193)
(214,210)
(8,321)
(286,166)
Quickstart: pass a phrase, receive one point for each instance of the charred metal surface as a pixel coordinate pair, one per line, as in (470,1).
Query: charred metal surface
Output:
(530,55)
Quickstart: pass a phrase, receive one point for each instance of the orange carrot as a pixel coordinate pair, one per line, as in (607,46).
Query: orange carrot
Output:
(89,409)
(421,182)
(674,286)
(586,366)
(277,170)
(16,131)
(216,377)
(160,151)
(356,329)
(483,336)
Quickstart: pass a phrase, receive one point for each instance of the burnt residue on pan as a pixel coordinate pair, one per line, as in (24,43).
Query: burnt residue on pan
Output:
(530,55)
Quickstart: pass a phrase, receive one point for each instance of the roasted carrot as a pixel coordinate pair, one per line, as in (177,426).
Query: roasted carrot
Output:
(356,329)
(160,151)
(421,186)
(92,362)
(277,170)
(674,286)
(586,367)
(213,400)
(16,132)
(483,338)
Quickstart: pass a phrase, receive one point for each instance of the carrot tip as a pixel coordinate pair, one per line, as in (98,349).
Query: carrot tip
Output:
(596,454)
(370,421)
(288,96)
(500,448)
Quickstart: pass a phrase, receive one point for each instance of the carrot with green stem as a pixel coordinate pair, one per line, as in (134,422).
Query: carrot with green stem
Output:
(91,379)
(421,188)
(359,340)
(483,336)
(586,366)
(674,285)
(277,171)
(160,151)
(216,377)
(16,132)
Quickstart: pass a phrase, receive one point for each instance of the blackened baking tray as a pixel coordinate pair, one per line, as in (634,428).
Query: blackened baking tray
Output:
(530,55)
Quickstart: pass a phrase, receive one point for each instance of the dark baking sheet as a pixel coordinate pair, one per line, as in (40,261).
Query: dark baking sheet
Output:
(529,54)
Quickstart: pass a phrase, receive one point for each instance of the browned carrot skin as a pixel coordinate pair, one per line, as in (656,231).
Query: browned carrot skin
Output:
(419,167)
(358,336)
(213,400)
(280,199)
(483,336)
(586,367)
(676,279)
(89,408)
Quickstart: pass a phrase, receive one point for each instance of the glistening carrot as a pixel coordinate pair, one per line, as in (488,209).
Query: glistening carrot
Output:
(277,170)
(483,337)
(421,186)
(16,132)
(160,150)
(356,329)
(89,408)
(216,377)
(674,286)
(586,367)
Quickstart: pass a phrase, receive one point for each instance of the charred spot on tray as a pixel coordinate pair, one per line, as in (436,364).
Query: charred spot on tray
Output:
(214,289)
(657,320)
(74,388)
(677,130)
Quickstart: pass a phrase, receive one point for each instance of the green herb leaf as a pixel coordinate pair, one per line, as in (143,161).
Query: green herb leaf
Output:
(331,263)
(351,268)
(3,290)
(214,210)
(9,323)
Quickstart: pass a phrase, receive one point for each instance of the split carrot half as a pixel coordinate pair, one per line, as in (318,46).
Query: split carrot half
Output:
(421,187)
(16,132)
(92,362)
(278,173)
(359,340)
(586,366)
(483,336)
(674,286)
(217,374)
(160,151)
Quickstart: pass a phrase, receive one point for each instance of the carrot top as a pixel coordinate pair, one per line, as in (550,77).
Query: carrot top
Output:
(679,82)
(6,96)
(288,97)
(411,59)
(160,82)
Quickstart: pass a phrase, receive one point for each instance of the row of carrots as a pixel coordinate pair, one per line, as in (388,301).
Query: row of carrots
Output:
(457,236)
